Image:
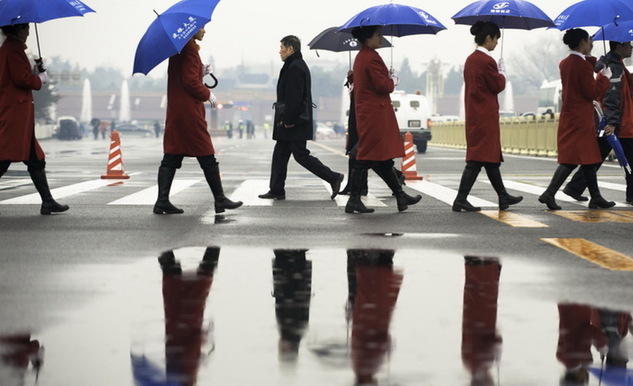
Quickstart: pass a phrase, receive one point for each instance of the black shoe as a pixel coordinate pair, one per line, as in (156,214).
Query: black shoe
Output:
(629,200)
(354,204)
(166,207)
(272,196)
(459,205)
(336,186)
(52,206)
(549,201)
(225,203)
(574,195)
(507,200)
(600,203)
(345,191)
(404,200)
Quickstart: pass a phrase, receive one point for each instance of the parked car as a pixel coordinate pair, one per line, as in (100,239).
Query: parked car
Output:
(68,129)
(133,129)
(323,131)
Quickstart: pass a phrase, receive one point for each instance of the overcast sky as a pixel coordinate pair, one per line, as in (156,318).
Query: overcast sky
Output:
(248,32)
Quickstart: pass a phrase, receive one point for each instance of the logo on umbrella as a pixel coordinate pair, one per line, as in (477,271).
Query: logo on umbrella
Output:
(501,7)
(187,29)
(426,17)
(353,43)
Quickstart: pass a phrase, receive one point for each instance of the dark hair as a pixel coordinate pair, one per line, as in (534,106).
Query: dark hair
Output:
(363,33)
(11,30)
(614,45)
(291,41)
(574,36)
(482,29)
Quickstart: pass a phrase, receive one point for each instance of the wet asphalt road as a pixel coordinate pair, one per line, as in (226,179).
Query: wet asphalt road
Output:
(86,284)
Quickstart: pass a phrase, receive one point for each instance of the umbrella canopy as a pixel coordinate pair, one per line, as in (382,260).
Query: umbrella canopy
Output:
(612,140)
(331,40)
(613,376)
(170,31)
(396,20)
(620,32)
(594,13)
(514,14)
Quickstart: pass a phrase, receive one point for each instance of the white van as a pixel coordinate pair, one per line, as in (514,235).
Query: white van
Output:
(412,112)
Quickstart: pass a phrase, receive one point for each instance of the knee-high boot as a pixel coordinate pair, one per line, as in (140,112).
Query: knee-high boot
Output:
(559,177)
(505,199)
(162,205)
(348,187)
(212,175)
(355,204)
(589,172)
(49,205)
(391,179)
(469,176)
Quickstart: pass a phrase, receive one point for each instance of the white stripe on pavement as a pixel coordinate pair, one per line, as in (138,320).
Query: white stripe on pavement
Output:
(248,191)
(341,199)
(148,196)
(445,194)
(62,192)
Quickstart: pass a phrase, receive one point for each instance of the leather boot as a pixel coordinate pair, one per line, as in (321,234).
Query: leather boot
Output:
(348,187)
(596,202)
(49,205)
(162,205)
(469,176)
(212,175)
(209,261)
(505,199)
(355,204)
(559,177)
(391,179)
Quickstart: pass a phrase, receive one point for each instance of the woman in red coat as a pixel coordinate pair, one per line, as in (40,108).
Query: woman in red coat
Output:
(17,113)
(577,143)
(186,128)
(483,80)
(379,139)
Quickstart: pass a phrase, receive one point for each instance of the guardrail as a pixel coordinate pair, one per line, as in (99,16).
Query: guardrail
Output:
(527,136)
(44,131)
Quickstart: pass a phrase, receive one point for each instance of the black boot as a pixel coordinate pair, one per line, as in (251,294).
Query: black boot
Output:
(596,202)
(209,261)
(49,205)
(162,205)
(212,175)
(559,177)
(355,204)
(505,199)
(469,176)
(168,263)
(391,179)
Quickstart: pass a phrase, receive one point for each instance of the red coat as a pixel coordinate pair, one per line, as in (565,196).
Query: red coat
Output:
(577,335)
(483,83)
(17,112)
(378,133)
(577,143)
(185,126)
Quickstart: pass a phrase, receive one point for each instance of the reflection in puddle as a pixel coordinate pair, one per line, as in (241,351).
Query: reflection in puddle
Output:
(249,316)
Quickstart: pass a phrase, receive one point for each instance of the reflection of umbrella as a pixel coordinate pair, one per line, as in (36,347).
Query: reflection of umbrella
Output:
(396,20)
(147,373)
(613,141)
(613,376)
(514,14)
(33,11)
(170,31)
(618,32)
(331,40)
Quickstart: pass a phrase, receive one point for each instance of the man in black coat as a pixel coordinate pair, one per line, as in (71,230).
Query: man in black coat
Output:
(293,123)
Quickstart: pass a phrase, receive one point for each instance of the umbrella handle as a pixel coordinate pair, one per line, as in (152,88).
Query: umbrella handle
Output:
(215,80)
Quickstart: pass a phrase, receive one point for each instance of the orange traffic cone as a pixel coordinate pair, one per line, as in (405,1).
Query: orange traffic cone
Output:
(115,161)
(408,162)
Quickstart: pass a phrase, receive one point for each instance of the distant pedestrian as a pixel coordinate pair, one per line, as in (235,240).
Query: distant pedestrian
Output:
(484,79)
(379,140)
(17,113)
(228,127)
(157,129)
(186,132)
(577,143)
(294,92)
(95,123)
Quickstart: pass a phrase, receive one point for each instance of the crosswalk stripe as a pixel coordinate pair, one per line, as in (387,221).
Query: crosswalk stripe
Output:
(560,196)
(341,199)
(594,253)
(62,192)
(148,196)
(513,219)
(445,194)
(612,186)
(9,184)
(248,191)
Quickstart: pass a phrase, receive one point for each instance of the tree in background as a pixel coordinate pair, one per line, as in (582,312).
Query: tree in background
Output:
(537,61)
(44,99)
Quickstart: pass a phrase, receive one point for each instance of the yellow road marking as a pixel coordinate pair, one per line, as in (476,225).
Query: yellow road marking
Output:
(595,216)
(513,219)
(333,150)
(594,253)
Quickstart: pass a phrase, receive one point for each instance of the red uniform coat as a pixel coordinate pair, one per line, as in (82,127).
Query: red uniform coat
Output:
(577,143)
(577,335)
(483,83)
(378,133)
(17,112)
(185,126)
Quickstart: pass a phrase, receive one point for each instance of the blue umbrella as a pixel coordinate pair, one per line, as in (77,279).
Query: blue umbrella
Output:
(612,139)
(515,14)
(613,376)
(620,32)
(37,11)
(594,13)
(396,20)
(147,373)
(170,31)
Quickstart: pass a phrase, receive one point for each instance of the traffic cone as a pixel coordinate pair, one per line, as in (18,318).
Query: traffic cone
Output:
(408,162)
(115,161)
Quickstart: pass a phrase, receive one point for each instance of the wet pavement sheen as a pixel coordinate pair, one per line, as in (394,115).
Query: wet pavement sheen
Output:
(254,316)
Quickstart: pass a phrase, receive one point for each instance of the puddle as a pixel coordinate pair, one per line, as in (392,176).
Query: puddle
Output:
(253,316)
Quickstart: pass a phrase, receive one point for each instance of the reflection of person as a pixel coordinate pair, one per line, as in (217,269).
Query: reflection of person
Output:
(294,90)
(17,113)
(186,131)
(292,283)
(576,335)
(480,340)
(615,326)
(17,351)
(379,139)
(577,143)
(618,110)
(375,290)
(184,299)
(484,79)
(95,123)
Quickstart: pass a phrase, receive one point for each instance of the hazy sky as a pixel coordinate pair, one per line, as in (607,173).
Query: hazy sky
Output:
(248,31)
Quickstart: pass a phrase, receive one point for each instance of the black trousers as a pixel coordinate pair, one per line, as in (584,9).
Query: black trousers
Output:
(175,161)
(279,168)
